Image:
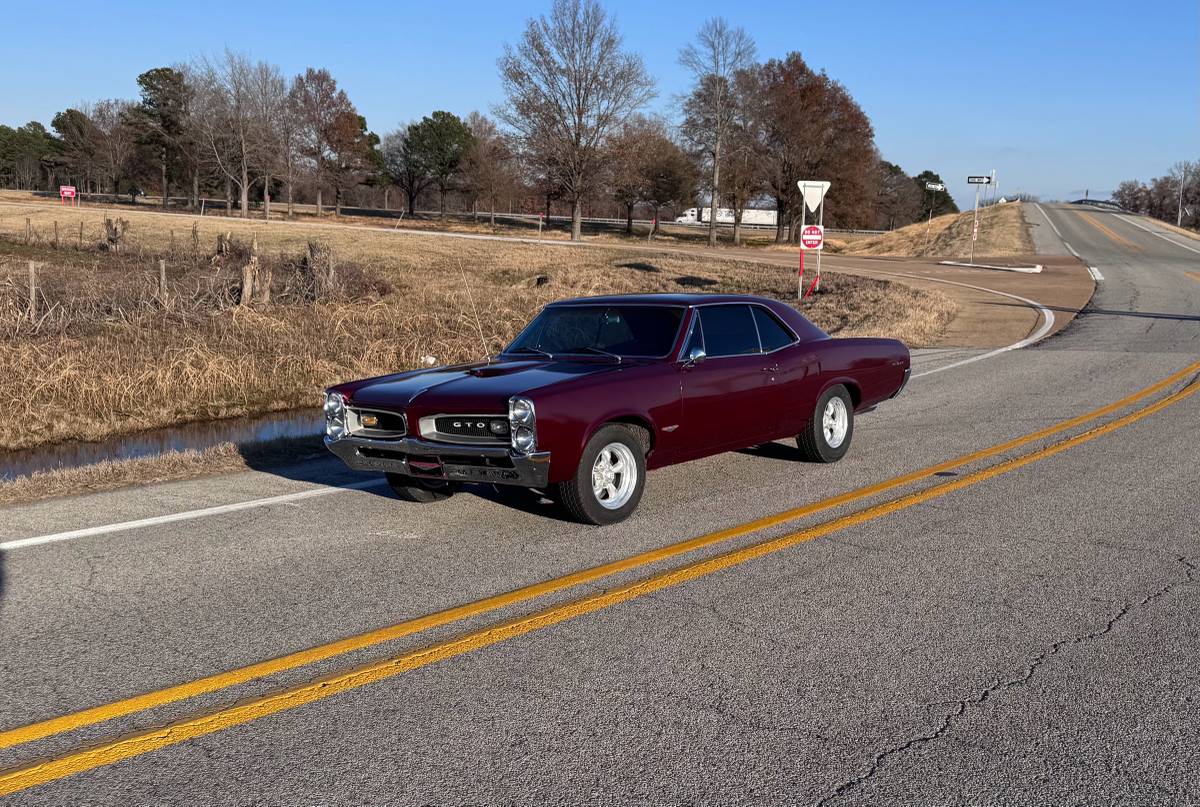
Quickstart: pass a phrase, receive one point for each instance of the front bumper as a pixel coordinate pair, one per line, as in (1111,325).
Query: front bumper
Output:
(425,459)
(903,381)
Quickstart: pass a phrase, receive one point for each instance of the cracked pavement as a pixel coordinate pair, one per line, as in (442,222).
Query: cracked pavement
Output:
(1031,639)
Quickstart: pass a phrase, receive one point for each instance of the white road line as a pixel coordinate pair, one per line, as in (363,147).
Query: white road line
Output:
(1071,249)
(186,515)
(1163,236)
(1036,336)
(1052,225)
(1095,273)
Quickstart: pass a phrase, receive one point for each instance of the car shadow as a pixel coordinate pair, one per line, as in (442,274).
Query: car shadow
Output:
(774,451)
(310,462)
(305,460)
(526,500)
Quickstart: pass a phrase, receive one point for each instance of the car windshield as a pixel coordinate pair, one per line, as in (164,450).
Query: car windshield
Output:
(614,330)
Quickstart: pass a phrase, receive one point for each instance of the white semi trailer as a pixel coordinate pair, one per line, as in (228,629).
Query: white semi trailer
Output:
(701,215)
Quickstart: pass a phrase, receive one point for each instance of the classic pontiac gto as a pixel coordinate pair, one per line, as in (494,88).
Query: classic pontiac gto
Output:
(595,391)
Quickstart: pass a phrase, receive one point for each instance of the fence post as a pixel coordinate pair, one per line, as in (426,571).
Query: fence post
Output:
(162,281)
(195,238)
(32,291)
(56,233)
(81,235)
(28,231)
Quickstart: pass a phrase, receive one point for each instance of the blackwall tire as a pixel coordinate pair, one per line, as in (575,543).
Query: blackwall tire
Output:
(826,437)
(610,479)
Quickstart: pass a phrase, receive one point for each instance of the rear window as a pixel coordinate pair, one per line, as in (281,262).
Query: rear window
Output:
(728,330)
(771,332)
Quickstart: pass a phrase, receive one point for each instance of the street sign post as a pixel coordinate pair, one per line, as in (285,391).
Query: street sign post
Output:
(813,192)
(977,181)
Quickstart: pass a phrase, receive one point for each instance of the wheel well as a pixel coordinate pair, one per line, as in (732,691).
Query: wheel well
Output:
(639,426)
(851,388)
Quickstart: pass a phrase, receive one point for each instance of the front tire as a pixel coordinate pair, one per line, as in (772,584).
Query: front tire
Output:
(826,436)
(422,491)
(610,480)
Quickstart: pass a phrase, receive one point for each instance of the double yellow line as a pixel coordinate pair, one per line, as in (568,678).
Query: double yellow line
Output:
(1120,239)
(111,751)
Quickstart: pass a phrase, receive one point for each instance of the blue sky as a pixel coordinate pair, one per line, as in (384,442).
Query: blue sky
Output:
(1057,96)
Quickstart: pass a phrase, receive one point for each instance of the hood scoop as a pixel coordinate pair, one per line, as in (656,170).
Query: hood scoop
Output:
(493,370)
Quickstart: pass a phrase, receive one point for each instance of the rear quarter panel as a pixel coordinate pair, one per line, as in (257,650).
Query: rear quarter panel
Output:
(872,369)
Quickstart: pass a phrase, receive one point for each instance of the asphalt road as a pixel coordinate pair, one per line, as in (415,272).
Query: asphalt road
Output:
(1027,635)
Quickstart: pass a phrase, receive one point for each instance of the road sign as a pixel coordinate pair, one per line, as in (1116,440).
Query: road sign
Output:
(979,180)
(975,232)
(812,237)
(813,191)
(935,186)
(66,191)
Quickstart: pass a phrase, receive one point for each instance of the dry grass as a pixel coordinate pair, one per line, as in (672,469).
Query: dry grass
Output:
(173,465)
(1002,231)
(112,359)
(1166,225)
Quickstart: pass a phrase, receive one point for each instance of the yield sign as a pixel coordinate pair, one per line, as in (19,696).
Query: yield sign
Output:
(813,191)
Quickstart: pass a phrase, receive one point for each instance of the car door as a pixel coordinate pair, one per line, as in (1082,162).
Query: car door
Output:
(726,397)
(788,367)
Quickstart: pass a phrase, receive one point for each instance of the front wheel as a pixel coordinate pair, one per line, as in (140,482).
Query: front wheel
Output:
(826,436)
(611,477)
(422,491)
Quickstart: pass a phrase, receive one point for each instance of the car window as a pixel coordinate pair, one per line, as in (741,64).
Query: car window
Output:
(625,330)
(728,330)
(771,332)
(696,340)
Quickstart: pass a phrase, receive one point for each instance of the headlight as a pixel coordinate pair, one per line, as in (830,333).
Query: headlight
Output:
(520,410)
(522,424)
(335,415)
(523,439)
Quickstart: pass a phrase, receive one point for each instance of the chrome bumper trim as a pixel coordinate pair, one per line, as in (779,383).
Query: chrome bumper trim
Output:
(528,470)
(904,382)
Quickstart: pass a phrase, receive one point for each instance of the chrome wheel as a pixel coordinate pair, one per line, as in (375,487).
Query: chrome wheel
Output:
(835,422)
(614,476)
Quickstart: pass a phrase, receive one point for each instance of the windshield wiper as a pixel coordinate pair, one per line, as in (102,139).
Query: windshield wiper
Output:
(590,349)
(539,351)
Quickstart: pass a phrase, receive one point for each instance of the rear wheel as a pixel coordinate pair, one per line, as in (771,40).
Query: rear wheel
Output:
(826,436)
(610,479)
(423,491)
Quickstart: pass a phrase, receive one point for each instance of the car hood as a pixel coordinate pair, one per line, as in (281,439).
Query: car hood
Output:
(484,387)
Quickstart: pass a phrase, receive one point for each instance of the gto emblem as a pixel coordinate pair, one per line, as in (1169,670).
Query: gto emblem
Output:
(458,424)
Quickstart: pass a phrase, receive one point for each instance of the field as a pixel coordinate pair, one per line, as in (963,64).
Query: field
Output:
(108,351)
(1002,232)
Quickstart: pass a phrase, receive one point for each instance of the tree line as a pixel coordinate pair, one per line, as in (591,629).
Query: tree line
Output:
(1173,197)
(572,132)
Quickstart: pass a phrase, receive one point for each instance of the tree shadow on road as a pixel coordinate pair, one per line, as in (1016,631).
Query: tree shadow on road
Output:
(1088,311)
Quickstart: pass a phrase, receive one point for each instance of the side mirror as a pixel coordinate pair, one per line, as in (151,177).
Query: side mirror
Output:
(695,356)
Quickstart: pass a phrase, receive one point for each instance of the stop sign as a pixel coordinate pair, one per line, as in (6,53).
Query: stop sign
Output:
(812,237)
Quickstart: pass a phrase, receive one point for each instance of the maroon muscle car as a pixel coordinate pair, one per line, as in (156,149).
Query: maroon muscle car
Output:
(596,391)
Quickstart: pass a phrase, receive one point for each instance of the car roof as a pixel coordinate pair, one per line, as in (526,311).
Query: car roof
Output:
(663,299)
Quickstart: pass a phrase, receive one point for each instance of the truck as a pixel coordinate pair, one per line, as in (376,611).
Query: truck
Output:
(701,215)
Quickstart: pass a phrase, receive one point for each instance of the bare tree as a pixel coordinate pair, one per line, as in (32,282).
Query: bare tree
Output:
(718,53)
(116,139)
(489,170)
(233,119)
(568,86)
